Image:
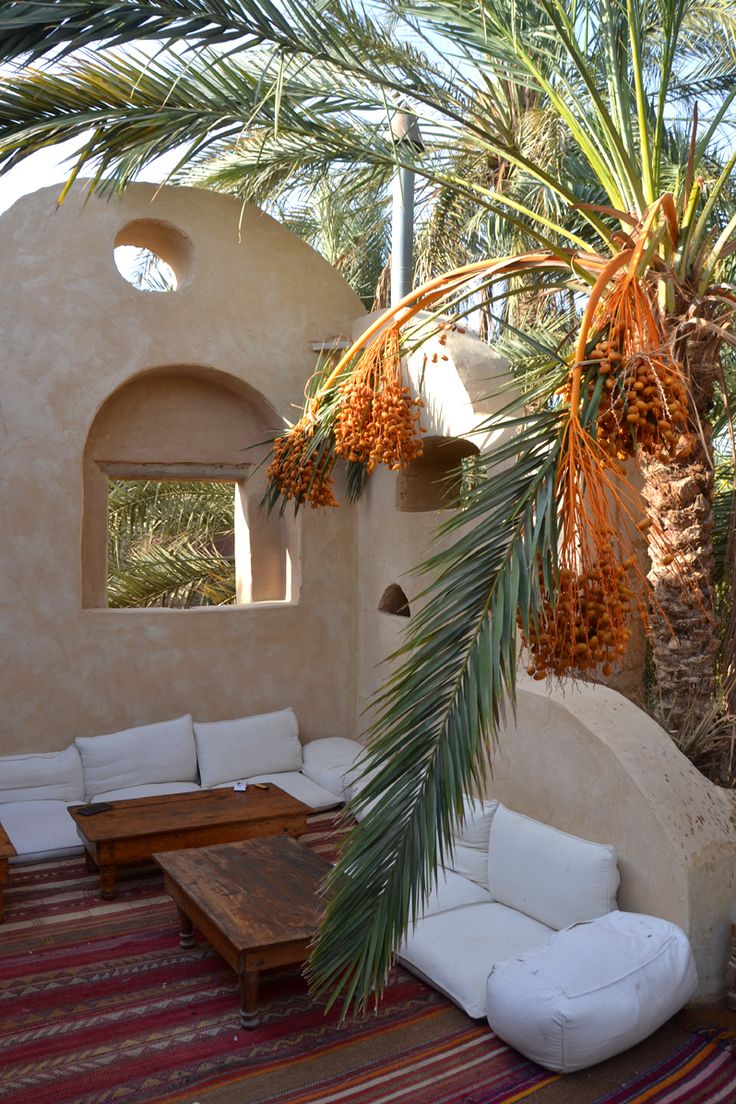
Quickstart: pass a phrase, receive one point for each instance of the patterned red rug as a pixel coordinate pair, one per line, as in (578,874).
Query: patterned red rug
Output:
(702,1071)
(100,1005)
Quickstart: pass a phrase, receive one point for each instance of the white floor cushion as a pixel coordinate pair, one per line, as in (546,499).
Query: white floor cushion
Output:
(595,990)
(455,951)
(294,783)
(40,829)
(156,789)
(329,760)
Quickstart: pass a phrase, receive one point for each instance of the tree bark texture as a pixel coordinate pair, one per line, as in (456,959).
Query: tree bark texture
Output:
(679,496)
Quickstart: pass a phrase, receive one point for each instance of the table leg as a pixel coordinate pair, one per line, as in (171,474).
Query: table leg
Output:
(109,881)
(186,930)
(249,998)
(90,863)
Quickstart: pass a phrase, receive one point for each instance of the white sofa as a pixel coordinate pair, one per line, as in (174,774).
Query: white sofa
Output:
(167,757)
(523,929)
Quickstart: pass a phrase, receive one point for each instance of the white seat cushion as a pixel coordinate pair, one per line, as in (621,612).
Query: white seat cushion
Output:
(456,950)
(551,876)
(42,776)
(262,744)
(162,752)
(156,789)
(593,991)
(329,760)
(470,851)
(295,784)
(453,891)
(40,829)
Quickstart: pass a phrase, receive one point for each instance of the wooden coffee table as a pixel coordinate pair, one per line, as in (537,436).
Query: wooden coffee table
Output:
(256,903)
(137,827)
(7,851)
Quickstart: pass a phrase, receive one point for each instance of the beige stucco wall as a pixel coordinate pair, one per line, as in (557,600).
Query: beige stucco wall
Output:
(73,333)
(461,383)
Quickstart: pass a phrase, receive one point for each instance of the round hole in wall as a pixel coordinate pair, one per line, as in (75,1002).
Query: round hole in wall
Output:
(153,255)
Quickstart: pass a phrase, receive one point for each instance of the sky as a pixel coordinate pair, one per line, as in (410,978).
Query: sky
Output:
(53,167)
(36,172)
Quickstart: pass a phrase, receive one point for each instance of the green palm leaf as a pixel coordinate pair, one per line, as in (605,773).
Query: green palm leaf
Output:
(438,716)
(163,542)
(184,577)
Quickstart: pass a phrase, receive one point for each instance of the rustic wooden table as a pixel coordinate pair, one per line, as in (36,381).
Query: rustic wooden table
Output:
(133,829)
(256,903)
(6,853)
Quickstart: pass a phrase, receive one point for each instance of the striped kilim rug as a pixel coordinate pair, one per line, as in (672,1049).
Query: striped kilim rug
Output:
(702,1071)
(100,1005)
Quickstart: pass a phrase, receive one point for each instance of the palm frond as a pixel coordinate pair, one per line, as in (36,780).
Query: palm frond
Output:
(438,716)
(164,541)
(146,507)
(186,577)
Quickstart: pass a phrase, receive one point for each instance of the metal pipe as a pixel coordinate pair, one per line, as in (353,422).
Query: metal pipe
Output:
(405,131)
(402,234)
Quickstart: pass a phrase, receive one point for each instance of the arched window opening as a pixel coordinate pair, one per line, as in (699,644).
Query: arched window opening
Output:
(171,514)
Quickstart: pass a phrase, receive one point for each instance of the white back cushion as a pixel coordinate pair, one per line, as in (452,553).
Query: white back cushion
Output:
(551,876)
(470,852)
(453,892)
(162,752)
(264,744)
(42,776)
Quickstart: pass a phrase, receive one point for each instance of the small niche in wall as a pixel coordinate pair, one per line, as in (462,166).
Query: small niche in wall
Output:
(153,255)
(393,600)
(432,481)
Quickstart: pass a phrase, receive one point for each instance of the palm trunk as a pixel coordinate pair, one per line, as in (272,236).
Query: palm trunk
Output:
(679,496)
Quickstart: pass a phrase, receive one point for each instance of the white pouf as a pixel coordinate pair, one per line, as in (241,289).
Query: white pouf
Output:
(594,990)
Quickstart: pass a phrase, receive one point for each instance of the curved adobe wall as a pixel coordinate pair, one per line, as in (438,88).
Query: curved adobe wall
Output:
(252,301)
(588,761)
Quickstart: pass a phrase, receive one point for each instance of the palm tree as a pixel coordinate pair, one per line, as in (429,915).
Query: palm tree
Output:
(627,232)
